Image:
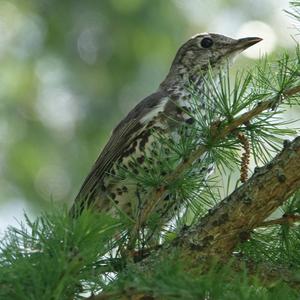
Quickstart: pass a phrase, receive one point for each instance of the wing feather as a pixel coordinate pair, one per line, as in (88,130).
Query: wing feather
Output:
(122,136)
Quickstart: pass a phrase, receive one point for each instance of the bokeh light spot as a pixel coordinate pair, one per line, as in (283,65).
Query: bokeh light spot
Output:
(12,211)
(51,70)
(88,44)
(262,30)
(128,6)
(58,108)
(52,182)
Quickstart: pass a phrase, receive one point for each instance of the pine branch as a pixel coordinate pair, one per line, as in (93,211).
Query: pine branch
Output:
(263,274)
(131,294)
(286,219)
(219,131)
(269,273)
(233,219)
(106,296)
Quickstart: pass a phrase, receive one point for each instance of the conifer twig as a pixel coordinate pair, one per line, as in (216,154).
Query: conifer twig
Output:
(286,219)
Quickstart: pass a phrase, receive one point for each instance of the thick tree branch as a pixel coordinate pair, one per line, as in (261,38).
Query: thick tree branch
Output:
(233,218)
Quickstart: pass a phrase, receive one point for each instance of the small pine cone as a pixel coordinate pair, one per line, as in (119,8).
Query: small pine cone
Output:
(245,159)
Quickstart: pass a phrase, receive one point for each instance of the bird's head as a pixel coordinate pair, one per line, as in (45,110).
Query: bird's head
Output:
(207,49)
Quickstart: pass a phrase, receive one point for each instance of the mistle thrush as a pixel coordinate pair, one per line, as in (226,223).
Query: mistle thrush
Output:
(132,137)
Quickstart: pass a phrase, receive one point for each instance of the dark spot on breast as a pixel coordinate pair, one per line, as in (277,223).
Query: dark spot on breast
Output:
(128,151)
(131,164)
(150,123)
(143,142)
(178,110)
(150,160)
(167,198)
(140,159)
(154,152)
(112,195)
(176,96)
(119,191)
(124,189)
(167,151)
(190,121)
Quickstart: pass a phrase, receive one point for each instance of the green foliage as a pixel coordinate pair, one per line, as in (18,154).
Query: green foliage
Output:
(268,80)
(54,257)
(59,258)
(294,11)
(277,244)
(170,281)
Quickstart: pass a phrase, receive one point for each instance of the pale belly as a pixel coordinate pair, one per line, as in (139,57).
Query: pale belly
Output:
(125,188)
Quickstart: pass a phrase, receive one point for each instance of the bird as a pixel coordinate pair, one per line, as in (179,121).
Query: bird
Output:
(132,141)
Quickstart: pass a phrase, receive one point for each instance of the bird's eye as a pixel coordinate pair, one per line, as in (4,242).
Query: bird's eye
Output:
(206,42)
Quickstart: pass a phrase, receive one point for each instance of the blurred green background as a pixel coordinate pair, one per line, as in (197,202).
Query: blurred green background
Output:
(70,70)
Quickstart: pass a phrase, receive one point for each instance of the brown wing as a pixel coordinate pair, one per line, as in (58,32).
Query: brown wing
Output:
(122,136)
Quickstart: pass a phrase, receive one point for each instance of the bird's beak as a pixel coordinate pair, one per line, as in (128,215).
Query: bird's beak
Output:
(245,43)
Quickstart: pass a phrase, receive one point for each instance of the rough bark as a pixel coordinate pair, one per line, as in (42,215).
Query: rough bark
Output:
(233,219)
